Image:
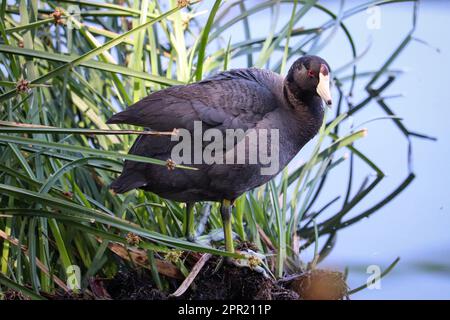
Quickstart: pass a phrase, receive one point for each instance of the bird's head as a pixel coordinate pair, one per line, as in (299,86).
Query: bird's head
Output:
(310,74)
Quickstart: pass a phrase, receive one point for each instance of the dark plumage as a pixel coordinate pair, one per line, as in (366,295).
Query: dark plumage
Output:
(237,99)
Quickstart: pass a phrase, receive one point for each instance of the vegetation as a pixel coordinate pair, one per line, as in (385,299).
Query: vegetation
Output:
(63,72)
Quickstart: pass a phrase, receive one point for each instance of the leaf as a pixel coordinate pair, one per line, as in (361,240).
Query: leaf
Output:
(84,150)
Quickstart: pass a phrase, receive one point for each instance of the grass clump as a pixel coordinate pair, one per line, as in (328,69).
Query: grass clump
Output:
(67,66)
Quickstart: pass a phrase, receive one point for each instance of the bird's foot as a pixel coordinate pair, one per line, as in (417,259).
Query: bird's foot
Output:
(215,235)
(252,260)
(192,238)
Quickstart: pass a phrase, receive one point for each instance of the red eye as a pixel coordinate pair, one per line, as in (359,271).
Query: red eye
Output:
(311,74)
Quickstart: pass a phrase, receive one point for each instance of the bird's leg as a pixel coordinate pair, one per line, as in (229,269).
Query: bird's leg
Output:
(225,211)
(252,259)
(189,229)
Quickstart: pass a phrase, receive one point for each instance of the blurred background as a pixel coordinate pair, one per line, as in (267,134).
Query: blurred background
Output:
(415,226)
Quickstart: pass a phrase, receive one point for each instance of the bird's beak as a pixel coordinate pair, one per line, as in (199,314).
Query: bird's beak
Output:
(323,88)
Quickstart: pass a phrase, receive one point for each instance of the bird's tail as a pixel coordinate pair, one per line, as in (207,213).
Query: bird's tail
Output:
(127,182)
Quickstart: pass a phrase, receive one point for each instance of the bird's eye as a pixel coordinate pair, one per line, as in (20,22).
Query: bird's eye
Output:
(311,74)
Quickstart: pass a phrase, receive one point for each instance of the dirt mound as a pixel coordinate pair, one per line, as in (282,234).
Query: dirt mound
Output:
(132,285)
(223,281)
(217,280)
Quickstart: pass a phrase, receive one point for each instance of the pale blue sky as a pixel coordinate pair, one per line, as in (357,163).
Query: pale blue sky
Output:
(416,225)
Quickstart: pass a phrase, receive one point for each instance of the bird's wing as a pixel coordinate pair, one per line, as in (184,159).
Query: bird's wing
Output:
(229,100)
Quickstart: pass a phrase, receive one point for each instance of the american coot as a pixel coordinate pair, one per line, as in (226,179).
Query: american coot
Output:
(248,99)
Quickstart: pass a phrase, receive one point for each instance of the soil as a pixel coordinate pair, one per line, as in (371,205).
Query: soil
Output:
(216,281)
(131,285)
(226,281)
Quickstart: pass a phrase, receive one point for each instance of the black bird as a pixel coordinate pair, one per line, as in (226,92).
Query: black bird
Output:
(248,99)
